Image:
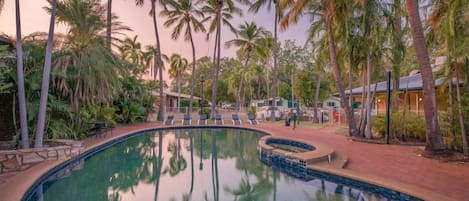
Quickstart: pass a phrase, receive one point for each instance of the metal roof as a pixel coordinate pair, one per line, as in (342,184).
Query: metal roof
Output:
(409,83)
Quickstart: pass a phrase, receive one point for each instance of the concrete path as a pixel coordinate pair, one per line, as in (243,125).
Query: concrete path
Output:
(398,166)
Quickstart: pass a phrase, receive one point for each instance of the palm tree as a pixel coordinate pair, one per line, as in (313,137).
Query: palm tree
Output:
(250,36)
(2,3)
(150,57)
(178,66)
(185,14)
(255,7)
(158,60)
(41,119)
(108,24)
(434,141)
(448,26)
(218,12)
(87,72)
(324,10)
(20,74)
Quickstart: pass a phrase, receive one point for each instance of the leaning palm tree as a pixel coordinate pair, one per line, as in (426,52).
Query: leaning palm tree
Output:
(20,82)
(178,66)
(184,14)
(41,119)
(158,60)
(217,12)
(250,35)
(256,5)
(434,142)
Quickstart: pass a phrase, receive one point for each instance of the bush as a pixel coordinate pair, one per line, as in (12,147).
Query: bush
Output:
(205,111)
(252,110)
(404,126)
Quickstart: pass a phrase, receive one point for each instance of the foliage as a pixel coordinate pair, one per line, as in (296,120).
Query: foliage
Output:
(404,125)
(206,111)
(252,110)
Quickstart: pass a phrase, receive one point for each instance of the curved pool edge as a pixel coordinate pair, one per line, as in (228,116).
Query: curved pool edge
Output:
(19,186)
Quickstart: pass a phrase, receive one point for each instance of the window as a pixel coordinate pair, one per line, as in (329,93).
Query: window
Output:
(331,104)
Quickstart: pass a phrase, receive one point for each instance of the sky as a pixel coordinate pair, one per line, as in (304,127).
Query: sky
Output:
(34,18)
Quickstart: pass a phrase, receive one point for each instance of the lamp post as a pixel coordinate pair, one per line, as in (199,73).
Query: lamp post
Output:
(202,80)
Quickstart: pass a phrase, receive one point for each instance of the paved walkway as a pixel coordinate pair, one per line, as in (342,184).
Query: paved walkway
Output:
(398,165)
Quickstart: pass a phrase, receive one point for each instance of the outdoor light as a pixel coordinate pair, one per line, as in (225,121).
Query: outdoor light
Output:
(420,99)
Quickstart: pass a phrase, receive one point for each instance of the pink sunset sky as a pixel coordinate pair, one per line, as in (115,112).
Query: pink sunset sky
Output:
(35,19)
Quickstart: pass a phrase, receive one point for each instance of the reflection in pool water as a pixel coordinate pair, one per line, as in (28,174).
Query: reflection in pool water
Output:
(190,164)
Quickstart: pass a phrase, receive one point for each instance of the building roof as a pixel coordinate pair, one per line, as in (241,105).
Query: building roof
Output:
(175,94)
(409,83)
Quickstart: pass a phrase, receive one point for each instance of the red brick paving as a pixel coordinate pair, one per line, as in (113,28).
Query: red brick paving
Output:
(391,162)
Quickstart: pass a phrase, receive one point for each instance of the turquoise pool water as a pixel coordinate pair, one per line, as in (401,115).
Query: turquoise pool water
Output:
(188,164)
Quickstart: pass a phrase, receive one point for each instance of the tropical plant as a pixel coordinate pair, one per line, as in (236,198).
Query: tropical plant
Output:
(218,11)
(178,66)
(256,5)
(184,14)
(449,27)
(20,81)
(158,61)
(41,117)
(434,142)
(250,36)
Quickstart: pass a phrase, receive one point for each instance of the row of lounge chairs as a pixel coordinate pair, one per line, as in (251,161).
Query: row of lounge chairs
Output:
(187,120)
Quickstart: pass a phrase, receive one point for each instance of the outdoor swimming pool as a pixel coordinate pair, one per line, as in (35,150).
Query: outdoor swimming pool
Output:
(217,164)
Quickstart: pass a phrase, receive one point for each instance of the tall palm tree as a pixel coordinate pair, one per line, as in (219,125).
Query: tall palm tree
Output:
(158,60)
(108,24)
(250,36)
(150,57)
(324,11)
(178,66)
(449,26)
(184,14)
(217,12)
(256,5)
(41,119)
(20,74)
(434,140)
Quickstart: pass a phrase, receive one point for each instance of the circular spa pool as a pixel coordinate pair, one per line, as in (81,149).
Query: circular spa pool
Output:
(219,164)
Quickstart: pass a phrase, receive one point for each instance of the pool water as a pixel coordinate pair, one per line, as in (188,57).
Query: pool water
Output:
(185,164)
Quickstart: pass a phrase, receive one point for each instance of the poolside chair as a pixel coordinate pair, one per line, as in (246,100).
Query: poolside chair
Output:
(235,119)
(219,119)
(252,119)
(187,120)
(169,120)
(202,119)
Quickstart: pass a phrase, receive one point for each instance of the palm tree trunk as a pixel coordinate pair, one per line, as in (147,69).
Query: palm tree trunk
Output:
(216,66)
(20,82)
(41,117)
(461,116)
(274,78)
(335,69)
(108,24)
(368,96)
(361,125)
(158,63)
(434,141)
(350,96)
(178,80)
(316,99)
(193,71)
(241,80)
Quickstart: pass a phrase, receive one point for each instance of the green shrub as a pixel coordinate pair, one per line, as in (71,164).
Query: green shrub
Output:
(404,126)
(205,111)
(252,110)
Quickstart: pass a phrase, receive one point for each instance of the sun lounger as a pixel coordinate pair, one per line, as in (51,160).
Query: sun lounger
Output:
(169,120)
(235,119)
(187,120)
(219,119)
(202,119)
(252,120)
